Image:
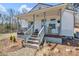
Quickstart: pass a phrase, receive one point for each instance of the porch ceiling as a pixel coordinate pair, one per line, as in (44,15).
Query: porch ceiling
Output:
(49,11)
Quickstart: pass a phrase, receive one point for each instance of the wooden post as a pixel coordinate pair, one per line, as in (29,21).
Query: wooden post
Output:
(33,21)
(74,17)
(44,22)
(45,15)
(59,30)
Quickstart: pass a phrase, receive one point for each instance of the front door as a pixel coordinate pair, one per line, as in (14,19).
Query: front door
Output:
(52,29)
(43,23)
(30,23)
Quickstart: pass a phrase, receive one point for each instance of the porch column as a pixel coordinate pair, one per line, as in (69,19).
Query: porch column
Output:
(44,22)
(74,16)
(59,30)
(33,21)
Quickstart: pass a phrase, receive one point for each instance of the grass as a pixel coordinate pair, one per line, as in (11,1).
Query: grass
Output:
(7,35)
(1,45)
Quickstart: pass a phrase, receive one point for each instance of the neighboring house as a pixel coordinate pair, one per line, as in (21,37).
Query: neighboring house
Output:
(56,20)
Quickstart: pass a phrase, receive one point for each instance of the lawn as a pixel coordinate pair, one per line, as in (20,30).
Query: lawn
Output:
(7,35)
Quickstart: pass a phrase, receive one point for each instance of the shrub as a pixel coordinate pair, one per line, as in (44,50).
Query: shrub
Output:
(14,39)
(11,37)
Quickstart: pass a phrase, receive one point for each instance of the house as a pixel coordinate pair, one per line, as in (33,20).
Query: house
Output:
(51,22)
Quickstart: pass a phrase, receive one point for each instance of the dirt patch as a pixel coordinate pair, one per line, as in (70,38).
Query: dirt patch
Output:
(49,49)
(7,46)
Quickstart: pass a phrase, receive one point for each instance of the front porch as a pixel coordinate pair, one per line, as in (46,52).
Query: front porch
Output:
(42,22)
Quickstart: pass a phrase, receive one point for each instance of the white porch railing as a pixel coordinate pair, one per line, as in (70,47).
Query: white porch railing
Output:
(29,31)
(41,35)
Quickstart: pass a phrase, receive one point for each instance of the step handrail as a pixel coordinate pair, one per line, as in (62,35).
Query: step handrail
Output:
(30,29)
(40,31)
(41,35)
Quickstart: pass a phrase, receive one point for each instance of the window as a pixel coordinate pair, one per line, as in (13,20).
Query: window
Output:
(52,26)
(0,15)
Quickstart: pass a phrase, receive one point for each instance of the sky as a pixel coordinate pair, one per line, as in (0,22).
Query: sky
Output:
(18,6)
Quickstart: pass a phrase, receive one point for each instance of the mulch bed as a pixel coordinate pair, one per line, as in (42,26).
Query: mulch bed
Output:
(73,42)
(58,50)
(8,46)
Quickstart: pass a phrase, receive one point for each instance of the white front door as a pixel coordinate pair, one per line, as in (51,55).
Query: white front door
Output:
(43,24)
(37,25)
(52,29)
(30,23)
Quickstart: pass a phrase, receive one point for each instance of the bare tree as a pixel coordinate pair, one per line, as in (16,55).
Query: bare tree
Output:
(11,13)
(24,10)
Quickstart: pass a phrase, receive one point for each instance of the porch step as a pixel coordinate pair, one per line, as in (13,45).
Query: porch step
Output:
(34,38)
(30,45)
(34,35)
(33,41)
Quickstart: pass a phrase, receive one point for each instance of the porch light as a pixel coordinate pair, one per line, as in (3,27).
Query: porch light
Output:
(58,21)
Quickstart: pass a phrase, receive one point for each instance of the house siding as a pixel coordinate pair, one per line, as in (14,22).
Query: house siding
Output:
(67,23)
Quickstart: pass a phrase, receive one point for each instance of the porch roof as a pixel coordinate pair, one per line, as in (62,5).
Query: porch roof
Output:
(52,9)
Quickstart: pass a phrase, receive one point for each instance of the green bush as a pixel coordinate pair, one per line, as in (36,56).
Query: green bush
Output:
(14,39)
